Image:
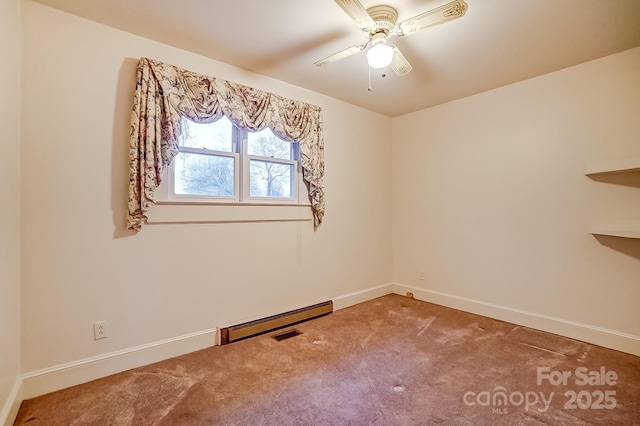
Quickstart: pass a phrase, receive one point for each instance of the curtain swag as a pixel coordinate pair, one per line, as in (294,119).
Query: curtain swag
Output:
(165,93)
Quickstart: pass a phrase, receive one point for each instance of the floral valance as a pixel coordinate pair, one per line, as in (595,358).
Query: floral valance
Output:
(165,93)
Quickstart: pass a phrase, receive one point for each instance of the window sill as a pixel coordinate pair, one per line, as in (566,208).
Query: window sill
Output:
(193,212)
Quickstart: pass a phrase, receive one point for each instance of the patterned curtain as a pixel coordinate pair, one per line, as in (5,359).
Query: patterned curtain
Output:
(165,93)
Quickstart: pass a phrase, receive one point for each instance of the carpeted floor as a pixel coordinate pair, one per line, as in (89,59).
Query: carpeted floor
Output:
(389,361)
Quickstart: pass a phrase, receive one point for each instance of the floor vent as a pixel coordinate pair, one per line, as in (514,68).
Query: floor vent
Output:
(275,322)
(287,335)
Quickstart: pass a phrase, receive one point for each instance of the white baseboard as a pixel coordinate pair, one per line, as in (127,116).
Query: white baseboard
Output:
(65,375)
(351,299)
(587,333)
(62,376)
(12,404)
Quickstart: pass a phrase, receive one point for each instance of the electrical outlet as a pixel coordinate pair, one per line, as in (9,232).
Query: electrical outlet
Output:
(99,330)
(422,274)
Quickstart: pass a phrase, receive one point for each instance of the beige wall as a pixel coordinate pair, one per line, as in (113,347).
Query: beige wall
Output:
(10,199)
(169,280)
(491,201)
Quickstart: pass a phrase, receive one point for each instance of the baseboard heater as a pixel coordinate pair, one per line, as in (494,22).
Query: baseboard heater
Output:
(275,322)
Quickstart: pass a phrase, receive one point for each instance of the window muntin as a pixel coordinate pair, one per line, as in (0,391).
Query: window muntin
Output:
(221,163)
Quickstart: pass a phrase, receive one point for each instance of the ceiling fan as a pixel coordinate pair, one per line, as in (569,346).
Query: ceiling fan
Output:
(380,23)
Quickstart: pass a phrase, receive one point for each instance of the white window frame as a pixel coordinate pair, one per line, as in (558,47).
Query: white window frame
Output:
(170,208)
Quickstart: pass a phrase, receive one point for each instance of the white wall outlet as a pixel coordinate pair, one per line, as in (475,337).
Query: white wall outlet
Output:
(422,274)
(99,330)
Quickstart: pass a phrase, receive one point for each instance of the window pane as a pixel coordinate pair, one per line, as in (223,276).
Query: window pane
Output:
(271,179)
(265,144)
(215,136)
(197,174)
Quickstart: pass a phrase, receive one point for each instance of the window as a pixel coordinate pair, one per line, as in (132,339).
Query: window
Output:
(219,162)
(166,93)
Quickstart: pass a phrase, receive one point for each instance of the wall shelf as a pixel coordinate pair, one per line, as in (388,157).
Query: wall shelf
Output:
(622,229)
(627,229)
(622,165)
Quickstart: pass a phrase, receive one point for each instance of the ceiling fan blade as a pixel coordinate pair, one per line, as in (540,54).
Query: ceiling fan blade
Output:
(357,12)
(447,12)
(340,55)
(399,63)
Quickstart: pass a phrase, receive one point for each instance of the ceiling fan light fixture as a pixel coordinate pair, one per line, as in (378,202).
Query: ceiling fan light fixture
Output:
(380,55)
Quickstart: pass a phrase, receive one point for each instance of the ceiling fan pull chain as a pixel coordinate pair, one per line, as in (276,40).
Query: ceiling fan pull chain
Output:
(369,88)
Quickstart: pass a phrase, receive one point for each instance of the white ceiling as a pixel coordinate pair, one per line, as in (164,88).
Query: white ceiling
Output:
(496,43)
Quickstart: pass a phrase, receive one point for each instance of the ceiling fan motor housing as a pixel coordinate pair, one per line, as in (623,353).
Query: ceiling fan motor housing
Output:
(378,38)
(385,18)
